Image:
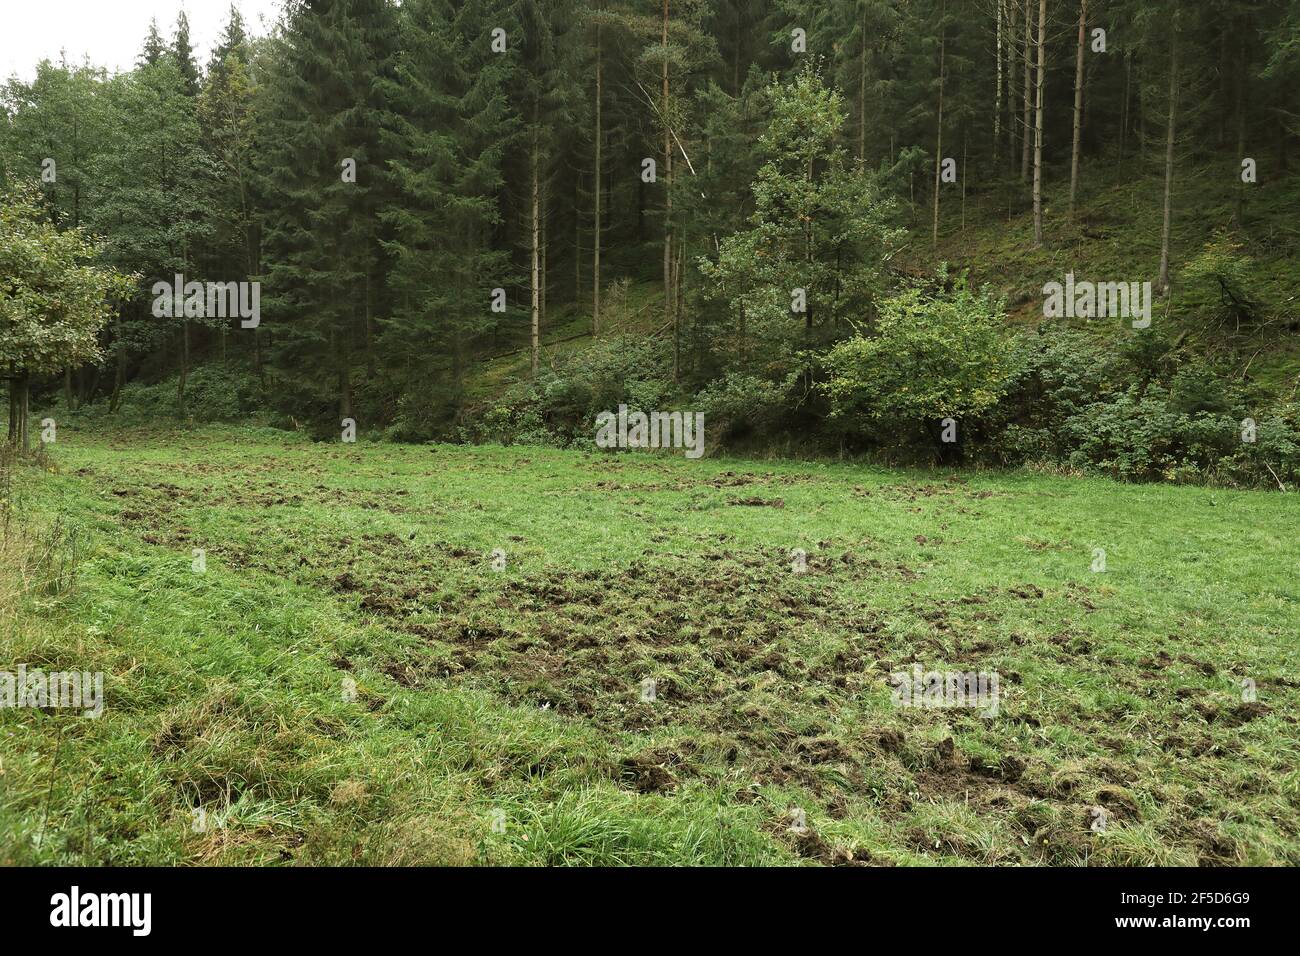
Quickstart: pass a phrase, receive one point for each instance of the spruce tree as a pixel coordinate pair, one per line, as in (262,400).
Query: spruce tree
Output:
(322,180)
(449,125)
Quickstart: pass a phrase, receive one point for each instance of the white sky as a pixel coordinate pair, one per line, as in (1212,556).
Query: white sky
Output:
(112,31)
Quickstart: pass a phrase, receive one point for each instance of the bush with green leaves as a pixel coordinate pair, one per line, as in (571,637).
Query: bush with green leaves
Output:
(1273,458)
(933,355)
(1056,373)
(560,406)
(1141,436)
(214,392)
(738,405)
(1140,411)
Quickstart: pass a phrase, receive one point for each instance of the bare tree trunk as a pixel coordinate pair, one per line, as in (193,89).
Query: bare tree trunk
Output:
(938,144)
(1028,106)
(1242,66)
(1013,18)
(17,420)
(1124,118)
(119,372)
(185,366)
(1040,82)
(535,281)
(670,313)
(1078,107)
(22,387)
(1142,113)
(577,240)
(345,386)
(545,249)
(1163,280)
(595,239)
(370,331)
(963,177)
(185,351)
(862,97)
(254,260)
(997,97)
(677,297)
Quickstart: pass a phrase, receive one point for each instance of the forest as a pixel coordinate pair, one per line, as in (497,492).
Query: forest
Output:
(494,219)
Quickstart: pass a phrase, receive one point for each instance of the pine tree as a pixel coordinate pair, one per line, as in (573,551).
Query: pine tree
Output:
(322,105)
(448,129)
(542,94)
(156,183)
(228,121)
(183,53)
(233,42)
(155,48)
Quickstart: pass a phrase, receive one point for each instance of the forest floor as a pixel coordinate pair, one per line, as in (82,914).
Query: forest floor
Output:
(355,677)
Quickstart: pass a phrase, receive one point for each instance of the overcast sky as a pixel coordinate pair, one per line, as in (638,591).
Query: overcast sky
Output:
(111,32)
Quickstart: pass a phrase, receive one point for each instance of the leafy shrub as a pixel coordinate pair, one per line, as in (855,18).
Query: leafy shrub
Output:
(1274,456)
(213,393)
(933,356)
(739,404)
(1141,437)
(561,405)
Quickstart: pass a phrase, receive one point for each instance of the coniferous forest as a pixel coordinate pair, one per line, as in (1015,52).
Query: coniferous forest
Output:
(656,432)
(492,220)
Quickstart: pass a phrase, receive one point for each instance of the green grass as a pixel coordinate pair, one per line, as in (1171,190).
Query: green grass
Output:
(515,695)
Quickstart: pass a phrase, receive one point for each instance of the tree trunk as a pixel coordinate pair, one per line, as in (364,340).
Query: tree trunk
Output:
(343,362)
(862,97)
(938,138)
(1124,118)
(1012,19)
(670,312)
(535,281)
(185,366)
(997,96)
(19,388)
(577,241)
(1040,82)
(371,365)
(119,372)
(13,406)
(963,177)
(1078,107)
(1163,281)
(1242,66)
(595,234)
(1028,105)
(1142,113)
(545,249)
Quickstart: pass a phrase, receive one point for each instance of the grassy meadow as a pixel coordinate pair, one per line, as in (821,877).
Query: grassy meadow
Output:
(438,654)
